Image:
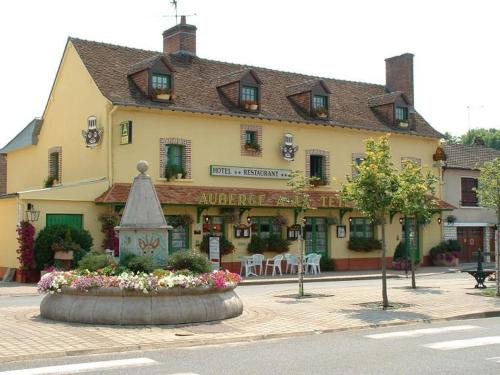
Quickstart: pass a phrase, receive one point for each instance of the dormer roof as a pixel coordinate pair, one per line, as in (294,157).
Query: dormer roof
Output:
(237,76)
(387,98)
(307,86)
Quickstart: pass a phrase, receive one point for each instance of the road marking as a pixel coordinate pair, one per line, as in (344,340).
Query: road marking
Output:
(468,343)
(421,332)
(80,367)
(496,359)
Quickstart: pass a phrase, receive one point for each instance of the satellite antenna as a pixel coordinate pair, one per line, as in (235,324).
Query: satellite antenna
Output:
(176,15)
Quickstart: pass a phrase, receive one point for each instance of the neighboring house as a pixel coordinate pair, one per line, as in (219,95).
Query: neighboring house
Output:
(3,174)
(474,226)
(230,132)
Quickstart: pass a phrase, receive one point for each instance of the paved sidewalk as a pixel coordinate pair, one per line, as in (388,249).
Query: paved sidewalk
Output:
(270,314)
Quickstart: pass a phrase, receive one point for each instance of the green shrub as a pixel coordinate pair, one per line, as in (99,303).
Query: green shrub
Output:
(138,264)
(400,252)
(256,245)
(93,261)
(364,244)
(55,234)
(226,246)
(448,246)
(277,244)
(190,260)
(327,264)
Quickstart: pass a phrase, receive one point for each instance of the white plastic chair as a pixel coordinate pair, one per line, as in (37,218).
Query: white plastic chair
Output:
(247,264)
(258,259)
(274,262)
(291,262)
(313,264)
(306,259)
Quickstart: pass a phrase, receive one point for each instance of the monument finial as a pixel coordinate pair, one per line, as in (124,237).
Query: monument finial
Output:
(142,166)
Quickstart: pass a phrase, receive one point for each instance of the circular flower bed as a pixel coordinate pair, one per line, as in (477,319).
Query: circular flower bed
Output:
(158,298)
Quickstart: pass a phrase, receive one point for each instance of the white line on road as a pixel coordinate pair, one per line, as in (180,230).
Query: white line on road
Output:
(468,343)
(79,367)
(420,332)
(496,359)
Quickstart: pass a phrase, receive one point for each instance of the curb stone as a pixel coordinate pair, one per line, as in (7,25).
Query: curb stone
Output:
(242,339)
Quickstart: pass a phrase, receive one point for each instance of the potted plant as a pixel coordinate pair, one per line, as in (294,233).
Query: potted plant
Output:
(252,146)
(321,112)
(403,124)
(163,94)
(446,253)
(173,172)
(249,105)
(317,181)
(64,249)
(180,173)
(450,219)
(50,181)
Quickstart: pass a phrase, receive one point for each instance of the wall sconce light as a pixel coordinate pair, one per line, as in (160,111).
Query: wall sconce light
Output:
(31,213)
(350,219)
(304,220)
(440,220)
(207,219)
(401,220)
(249,219)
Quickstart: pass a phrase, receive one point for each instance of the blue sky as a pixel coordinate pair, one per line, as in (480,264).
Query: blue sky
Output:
(455,43)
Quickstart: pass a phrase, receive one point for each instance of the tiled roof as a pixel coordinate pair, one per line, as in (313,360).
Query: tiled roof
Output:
(196,80)
(468,156)
(192,195)
(305,86)
(387,98)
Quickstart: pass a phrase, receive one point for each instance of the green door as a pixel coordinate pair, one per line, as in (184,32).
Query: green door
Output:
(316,236)
(411,236)
(73,220)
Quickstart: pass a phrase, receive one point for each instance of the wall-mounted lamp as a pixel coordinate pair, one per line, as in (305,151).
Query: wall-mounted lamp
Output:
(304,220)
(31,213)
(249,219)
(207,219)
(401,220)
(440,220)
(350,219)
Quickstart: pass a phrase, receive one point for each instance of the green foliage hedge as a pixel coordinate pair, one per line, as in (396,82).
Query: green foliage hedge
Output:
(93,261)
(57,233)
(190,260)
(364,244)
(258,245)
(448,246)
(226,246)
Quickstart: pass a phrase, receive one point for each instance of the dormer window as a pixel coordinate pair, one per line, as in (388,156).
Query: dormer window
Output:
(249,98)
(320,106)
(161,84)
(402,115)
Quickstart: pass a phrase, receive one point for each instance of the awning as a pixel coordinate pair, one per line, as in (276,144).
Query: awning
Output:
(211,196)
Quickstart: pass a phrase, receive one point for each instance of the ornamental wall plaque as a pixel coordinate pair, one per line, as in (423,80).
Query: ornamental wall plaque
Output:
(288,150)
(92,135)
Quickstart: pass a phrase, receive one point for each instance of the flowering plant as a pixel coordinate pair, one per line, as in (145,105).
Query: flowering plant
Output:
(142,282)
(26,250)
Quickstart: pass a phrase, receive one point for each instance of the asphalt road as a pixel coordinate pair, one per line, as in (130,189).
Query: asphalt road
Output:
(459,347)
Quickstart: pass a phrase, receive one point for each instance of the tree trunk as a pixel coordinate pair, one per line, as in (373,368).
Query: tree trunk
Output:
(385,300)
(413,251)
(301,264)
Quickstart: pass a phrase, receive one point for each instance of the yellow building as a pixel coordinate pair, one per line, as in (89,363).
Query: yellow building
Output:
(221,140)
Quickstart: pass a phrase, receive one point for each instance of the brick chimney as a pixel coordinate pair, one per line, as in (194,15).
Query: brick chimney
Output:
(399,75)
(180,39)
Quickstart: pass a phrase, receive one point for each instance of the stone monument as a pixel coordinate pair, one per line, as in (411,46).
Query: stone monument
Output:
(143,229)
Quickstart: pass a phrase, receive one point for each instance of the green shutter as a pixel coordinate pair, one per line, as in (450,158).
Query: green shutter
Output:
(73,220)
(175,156)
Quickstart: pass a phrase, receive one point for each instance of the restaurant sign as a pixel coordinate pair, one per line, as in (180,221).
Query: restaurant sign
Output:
(227,171)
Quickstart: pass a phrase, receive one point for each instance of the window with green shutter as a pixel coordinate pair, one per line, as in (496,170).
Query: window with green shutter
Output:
(361,227)
(316,165)
(250,137)
(402,114)
(320,102)
(175,155)
(265,226)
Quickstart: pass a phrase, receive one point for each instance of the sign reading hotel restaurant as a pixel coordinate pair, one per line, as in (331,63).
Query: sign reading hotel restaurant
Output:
(226,171)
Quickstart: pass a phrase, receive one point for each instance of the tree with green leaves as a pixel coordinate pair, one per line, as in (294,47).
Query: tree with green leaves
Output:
(451,139)
(491,137)
(300,186)
(489,195)
(372,192)
(414,197)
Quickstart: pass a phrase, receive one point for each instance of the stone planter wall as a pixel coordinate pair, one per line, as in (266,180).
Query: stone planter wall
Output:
(445,263)
(122,307)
